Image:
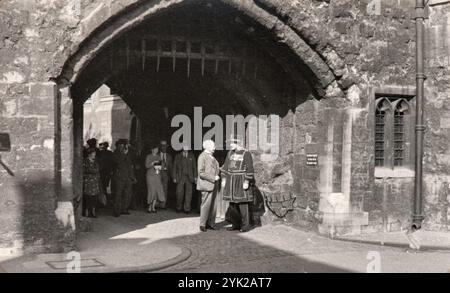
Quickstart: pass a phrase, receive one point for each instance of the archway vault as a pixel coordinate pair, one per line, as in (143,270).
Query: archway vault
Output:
(283,75)
(289,71)
(97,35)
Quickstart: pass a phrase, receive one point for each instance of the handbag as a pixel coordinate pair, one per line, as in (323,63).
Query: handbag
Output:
(232,215)
(257,205)
(102,198)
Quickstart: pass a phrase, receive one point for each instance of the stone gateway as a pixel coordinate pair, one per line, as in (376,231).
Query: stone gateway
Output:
(339,74)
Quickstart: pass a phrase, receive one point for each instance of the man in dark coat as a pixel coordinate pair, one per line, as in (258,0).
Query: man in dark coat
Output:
(123,178)
(166,170)
(184,176)
(237,176)
(106,162)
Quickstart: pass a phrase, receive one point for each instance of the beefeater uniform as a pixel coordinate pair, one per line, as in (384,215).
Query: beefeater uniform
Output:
(237,168)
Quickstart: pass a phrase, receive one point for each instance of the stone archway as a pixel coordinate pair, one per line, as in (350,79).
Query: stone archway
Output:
(112,19)
(292,57)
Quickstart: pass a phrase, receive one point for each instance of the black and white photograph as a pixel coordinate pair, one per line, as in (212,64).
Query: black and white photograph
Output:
(201,139)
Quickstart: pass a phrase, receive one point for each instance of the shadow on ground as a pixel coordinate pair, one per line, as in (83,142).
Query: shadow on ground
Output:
(213,251)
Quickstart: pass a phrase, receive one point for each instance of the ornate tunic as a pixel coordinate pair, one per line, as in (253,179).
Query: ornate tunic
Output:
(237,168)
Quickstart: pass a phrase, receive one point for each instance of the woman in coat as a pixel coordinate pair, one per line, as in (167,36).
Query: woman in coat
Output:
(91,182)
(155,189)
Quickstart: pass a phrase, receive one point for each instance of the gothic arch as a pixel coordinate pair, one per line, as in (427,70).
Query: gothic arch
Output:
(111,20)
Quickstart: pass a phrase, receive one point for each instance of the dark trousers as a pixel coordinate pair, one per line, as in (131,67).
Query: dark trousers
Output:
(165,183)
(242,209)
(139,199)
(184,192)
(83,206)
(105,179)
(122,195)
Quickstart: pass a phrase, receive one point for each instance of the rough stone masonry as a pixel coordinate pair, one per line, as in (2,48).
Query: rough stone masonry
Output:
(347,64)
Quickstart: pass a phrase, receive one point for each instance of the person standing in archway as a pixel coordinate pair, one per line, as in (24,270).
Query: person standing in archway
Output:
(139,197)
(91,144)
(237,176)
(208,175)
(166,171)
(184,176)
(155,190)
(91,182)
(106,163)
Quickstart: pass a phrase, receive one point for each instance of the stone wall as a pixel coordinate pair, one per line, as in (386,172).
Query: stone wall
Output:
(381,50)
(357,51)
(437,114)
(28,193)
(390,205)
(377,49)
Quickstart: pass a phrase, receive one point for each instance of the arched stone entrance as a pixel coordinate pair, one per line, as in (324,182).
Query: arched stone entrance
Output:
(244,51)
(342,53)
(110,20)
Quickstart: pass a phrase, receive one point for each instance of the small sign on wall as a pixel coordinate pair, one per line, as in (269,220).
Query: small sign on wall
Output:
(5,142)
(312,160)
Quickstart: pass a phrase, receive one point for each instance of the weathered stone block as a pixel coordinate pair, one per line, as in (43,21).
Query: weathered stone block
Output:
(8,107)
(36,106)
(89,24)
(18,89)
(42,90)
(342,26)
(3,89)
(20,128)
(361,182)
(342,9)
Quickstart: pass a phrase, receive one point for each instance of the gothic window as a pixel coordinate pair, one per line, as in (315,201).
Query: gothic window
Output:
(383,106)
(392,125)
(401,110)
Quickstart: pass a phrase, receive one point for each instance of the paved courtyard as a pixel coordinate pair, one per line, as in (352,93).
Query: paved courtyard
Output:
(171,242)
(268,249)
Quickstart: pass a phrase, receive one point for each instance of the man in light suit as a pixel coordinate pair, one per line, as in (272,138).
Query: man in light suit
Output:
(184,176)
(208,175)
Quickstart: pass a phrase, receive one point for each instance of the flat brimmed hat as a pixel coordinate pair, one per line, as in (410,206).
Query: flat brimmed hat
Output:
(91,141)
(122,141)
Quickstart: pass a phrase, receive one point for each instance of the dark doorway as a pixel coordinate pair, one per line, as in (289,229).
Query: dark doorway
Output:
(200,55)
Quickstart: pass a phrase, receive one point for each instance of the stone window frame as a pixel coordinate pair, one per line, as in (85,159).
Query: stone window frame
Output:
(395,95)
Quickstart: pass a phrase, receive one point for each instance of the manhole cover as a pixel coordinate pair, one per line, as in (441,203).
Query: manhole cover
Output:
(85,263)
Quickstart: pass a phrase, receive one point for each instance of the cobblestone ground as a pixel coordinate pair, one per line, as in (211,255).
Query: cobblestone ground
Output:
(273,248)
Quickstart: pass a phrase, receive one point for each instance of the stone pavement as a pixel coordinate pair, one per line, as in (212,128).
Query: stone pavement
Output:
(283,249)
(171,242)
(421,239)
(132,243)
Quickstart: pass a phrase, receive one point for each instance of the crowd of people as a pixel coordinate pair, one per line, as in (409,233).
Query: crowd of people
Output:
(144,181)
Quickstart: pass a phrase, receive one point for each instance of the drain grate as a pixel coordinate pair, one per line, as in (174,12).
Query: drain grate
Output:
(84,263)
